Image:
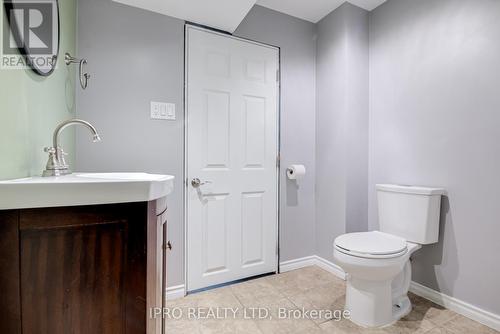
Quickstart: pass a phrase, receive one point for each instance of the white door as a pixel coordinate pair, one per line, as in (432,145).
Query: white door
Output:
(232,147)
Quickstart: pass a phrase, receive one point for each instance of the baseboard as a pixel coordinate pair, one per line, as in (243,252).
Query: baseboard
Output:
(467,310)
(312,260)
(330,266)
(175,292)
(297,263)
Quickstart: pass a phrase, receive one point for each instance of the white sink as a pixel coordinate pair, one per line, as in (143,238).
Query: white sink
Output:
(83,189)
(122,176)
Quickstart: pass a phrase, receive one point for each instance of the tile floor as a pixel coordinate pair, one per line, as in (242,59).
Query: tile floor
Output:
(310,288)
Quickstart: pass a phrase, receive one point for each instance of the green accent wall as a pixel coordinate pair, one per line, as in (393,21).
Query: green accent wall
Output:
(31,106)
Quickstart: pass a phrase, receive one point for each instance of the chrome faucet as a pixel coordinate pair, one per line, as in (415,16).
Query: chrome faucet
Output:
(56,165)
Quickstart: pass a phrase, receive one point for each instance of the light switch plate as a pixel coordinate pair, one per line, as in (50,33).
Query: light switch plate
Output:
(163,111)
(170,110)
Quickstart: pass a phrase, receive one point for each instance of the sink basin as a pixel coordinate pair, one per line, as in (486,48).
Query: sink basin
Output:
(83,189)
(122,176)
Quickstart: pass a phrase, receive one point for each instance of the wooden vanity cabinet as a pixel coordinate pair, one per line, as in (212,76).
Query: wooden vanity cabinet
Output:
(83,270)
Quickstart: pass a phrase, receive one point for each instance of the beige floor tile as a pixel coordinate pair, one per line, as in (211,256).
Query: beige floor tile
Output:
(414,323)
(327,296)
(298,281)
(182,326)
(285,318)
(189,300)
(181,307)
(302,301)
(463,325)
(417,301)
(222,297)
(202,305)
(229,326)
(256,291)
(348,327)
(431,311)
(439,330)
(311,330)
(290,283)
(344,326)
(311,288)
(321,300)
(339,302)
(320,275)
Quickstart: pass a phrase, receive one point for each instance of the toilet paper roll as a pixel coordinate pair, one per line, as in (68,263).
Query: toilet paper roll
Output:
(295,172)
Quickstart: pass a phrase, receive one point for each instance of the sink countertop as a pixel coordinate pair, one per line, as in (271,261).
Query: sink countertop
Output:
(83,189)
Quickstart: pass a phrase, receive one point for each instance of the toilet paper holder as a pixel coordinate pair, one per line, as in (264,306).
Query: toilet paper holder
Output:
(295,172)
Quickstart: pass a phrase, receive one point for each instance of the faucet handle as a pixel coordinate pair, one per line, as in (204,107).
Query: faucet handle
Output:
(49,150)
(52,163)
(62,160)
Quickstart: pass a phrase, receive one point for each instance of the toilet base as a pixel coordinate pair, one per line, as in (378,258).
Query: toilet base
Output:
(402,309)
(372,303)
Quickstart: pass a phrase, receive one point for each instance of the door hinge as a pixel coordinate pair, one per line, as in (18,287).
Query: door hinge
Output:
(167,246)
(277,75)
(278,158)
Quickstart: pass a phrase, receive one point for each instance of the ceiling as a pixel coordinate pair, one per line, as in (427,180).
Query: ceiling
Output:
(228,14)
(221,14)
(314,10)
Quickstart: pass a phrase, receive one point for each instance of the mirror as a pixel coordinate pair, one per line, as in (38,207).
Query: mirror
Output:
(32,34)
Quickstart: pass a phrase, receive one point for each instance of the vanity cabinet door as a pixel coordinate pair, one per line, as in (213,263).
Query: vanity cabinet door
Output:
(83,269)
(10,304)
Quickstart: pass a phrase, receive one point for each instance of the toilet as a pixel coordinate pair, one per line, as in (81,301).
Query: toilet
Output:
(377,263)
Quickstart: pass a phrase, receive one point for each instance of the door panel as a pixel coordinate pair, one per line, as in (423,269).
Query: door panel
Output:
(232,145)
(252,221)
(214,234)
(254,129)
(216,129)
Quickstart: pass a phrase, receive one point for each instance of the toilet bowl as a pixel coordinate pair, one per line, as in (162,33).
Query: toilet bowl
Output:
(378,276)
(377,263)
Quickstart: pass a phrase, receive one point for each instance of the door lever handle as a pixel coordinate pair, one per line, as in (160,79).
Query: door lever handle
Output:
(196,182)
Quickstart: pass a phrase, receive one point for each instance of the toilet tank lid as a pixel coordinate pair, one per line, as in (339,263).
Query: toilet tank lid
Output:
(416,190)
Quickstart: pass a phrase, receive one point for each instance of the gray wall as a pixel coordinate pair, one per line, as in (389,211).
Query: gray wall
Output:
(435,120)
(136,57)
(296,39)
(341,126)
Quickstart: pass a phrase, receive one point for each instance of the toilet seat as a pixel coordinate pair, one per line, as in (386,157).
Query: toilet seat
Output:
(371,245)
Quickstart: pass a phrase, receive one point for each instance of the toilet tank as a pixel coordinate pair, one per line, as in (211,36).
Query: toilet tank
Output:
(410,212)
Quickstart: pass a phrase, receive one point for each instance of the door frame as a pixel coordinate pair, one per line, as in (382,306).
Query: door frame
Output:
(185,180)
